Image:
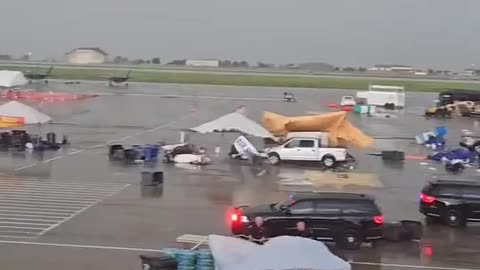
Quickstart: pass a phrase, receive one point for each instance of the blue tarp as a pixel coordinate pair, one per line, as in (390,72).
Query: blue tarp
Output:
(462,154)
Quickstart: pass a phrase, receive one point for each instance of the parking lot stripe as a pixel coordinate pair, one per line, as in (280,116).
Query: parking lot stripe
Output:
(20,227)
(26,167)
(60,191)
(42,206)
(60,195)
(15,231)
(51,159)
(50,182)
(41,213)
(39,198)
(49,221)
(37,206)
(8,215)
(18,237)
(72,216)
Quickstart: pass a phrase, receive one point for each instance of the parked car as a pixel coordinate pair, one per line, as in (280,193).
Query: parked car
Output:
(348,219)
(348,101)
(308,147)
(453,202)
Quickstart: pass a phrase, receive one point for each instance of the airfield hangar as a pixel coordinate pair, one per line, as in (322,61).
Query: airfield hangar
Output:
(86,56)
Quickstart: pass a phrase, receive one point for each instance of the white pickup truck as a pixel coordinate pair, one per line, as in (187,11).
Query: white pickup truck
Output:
(307,148)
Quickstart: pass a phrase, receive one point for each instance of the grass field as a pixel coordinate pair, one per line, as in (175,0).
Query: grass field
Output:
(248,80)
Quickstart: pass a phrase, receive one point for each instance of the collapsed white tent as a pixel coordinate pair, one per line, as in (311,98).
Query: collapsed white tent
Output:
(17,109)
(284,252)
(9,78)
(234,122)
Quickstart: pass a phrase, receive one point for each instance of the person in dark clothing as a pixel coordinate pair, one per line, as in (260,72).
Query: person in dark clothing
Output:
(303,231)
(257,232)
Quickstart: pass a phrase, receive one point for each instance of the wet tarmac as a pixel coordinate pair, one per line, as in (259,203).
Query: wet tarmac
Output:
(91,213)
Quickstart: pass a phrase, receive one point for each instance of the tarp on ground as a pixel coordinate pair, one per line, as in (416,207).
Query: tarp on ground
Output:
(234,122)
(9,78)
(29,114)
(341,131)
(284,252)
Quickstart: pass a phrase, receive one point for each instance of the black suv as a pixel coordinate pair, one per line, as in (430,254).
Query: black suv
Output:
(452,201)
(346,218)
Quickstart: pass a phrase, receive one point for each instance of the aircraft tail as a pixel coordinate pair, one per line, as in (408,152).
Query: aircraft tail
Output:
(49,70)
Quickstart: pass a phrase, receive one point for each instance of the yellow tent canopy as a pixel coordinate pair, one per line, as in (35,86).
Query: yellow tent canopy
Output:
(342,132)
(11,122)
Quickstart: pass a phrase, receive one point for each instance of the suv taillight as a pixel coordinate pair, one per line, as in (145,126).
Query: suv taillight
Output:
(379,220)
(427,199)
(238,216)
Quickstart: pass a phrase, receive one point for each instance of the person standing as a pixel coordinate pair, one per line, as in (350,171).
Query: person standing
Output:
(303,231)
(257,231)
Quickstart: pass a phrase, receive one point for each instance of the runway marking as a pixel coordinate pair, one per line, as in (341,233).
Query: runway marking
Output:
(190,96)
(105,144)
(61,245)
(24,207)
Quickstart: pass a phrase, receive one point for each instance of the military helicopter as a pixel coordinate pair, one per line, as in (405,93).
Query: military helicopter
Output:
(116,80)
(37,76)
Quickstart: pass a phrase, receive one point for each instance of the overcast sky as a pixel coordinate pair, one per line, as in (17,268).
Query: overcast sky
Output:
(425,33)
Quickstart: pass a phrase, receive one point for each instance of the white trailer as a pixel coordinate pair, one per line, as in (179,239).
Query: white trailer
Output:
(383,95)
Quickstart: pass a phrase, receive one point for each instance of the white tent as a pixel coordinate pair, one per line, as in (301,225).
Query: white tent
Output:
(10,78)
(17,109)
(234,122)
(284,252)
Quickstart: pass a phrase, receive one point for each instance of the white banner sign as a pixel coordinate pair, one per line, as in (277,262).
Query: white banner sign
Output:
(244,146)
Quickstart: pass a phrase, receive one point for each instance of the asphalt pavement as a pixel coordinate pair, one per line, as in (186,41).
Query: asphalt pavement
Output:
(74,209)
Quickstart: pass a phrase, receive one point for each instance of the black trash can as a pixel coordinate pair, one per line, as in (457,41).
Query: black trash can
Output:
(413,230)
(393,155)
(159,261)
(152,178)
(393,231)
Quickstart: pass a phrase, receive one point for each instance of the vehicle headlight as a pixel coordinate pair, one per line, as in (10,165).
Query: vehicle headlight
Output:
(245,219)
